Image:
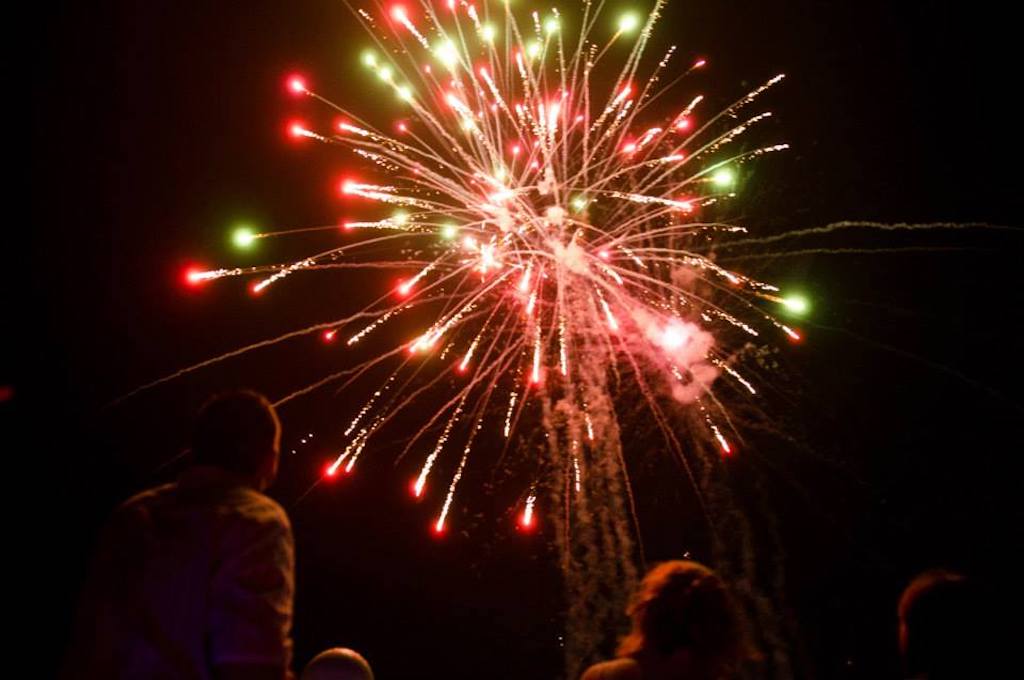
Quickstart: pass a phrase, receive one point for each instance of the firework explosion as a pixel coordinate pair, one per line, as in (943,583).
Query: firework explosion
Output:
(551,223)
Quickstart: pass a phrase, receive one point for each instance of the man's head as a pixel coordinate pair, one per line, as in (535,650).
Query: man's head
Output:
(938,625)
(239,432)
(337,664)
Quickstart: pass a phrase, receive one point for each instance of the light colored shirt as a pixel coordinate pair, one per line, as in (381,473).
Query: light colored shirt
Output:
(188,576)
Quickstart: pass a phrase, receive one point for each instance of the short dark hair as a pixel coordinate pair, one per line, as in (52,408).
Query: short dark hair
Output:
(938,612)
(235,431)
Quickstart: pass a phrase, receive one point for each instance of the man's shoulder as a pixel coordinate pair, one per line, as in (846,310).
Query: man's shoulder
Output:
(249,505)
(142,504)
(147,497)
(235,504)
(255,528)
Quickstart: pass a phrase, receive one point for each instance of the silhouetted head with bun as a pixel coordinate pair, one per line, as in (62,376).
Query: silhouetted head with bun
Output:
(685,623)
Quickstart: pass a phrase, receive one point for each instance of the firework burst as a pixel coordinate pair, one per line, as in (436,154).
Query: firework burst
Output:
(553,226)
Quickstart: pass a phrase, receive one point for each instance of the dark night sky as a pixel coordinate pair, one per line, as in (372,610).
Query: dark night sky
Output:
(156,125)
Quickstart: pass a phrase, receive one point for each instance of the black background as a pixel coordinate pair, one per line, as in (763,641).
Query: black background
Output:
(155,126)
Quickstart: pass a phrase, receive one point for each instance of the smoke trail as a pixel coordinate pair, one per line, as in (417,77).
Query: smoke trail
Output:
(237,352)
(877,226)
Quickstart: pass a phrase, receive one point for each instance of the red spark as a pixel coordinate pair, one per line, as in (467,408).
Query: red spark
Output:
(296,84)
(193,276)
(297,129)
(348,186)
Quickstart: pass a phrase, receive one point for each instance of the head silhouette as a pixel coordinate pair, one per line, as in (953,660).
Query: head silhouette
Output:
(337,664)
(938,624)
(684,606)
(239,432)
